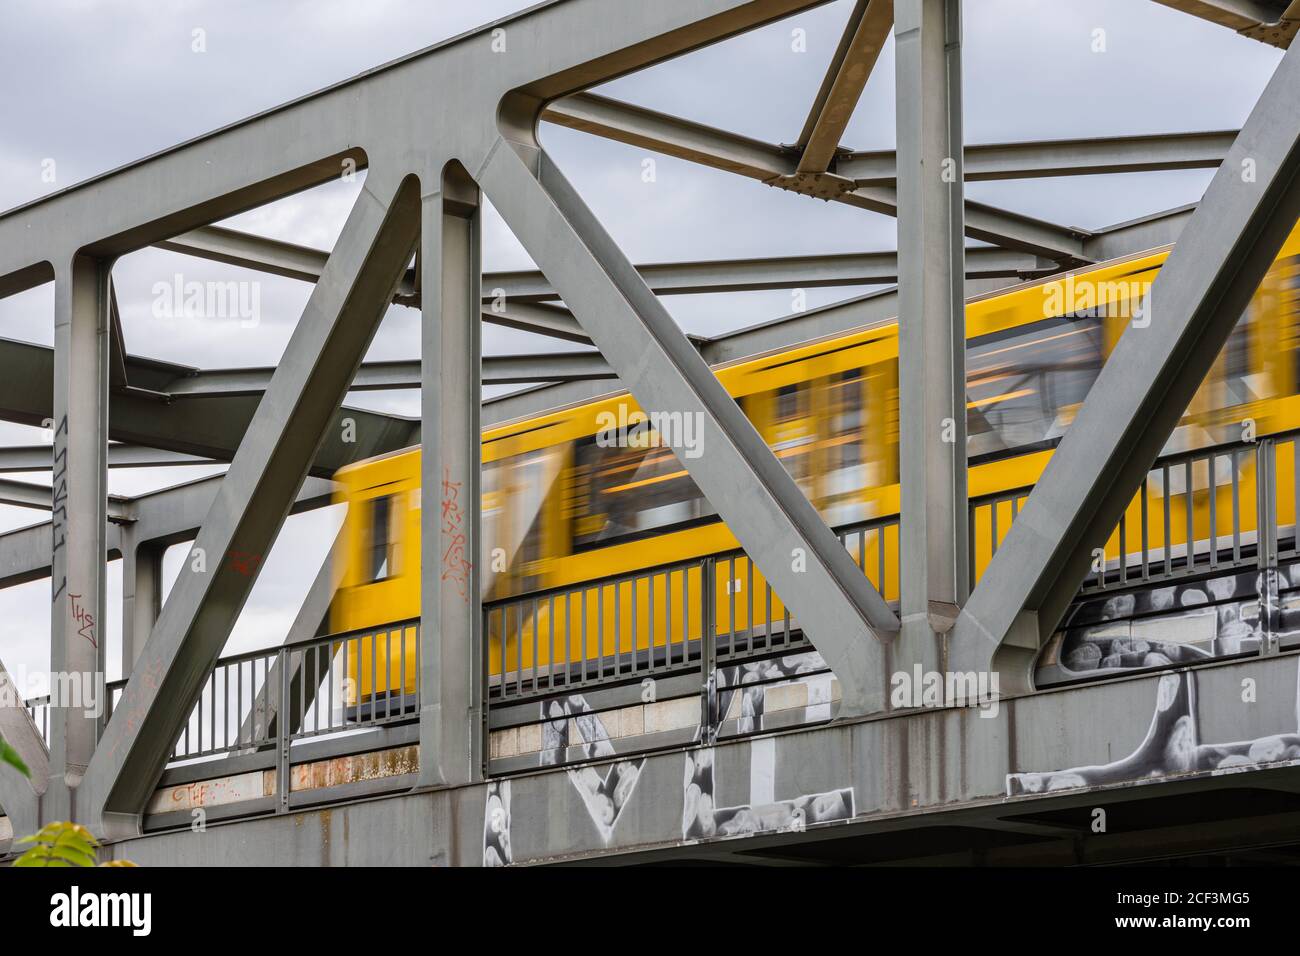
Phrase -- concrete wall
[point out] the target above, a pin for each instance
(1098, 744)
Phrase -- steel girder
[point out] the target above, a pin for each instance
(160, 518)
(1270, 21)
(521, 289)
(22, 494)
(934, 553)
(702, 144)
(292, 261)
(451, 710)
(207, 426)
(19, 458)
(1142, 391)
(1062, 157)
(851, 66)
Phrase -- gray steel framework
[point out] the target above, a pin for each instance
(279, 429)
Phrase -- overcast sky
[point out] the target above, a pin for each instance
(93, 84)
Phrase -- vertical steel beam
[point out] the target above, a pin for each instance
(78, 519)
(1144, 388)
(843, 615)
(255, 496)
(932, 325)
(141, 596)
(451, 677)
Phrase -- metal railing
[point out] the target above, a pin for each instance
(38, 708)
(330, 685)
(662, 635)
(1196, 513)
(655, 621)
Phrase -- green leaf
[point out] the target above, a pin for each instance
(37, 857)
(60, 844)
(10, 756)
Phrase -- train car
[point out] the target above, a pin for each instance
(585, 494)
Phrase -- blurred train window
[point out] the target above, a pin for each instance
(847, 420)
(519, 493)
(1289, 308)
(838, 489)
(1237, 351)
(1022, 389)
(787, 403)
(632, 491)
(383, 538)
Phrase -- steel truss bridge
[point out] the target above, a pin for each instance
(776, 744)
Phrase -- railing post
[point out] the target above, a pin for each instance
(1266, 542)
(482, 663)
(708, 661)
(283, 735)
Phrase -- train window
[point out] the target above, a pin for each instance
(628, 492)
(520, 501)
(787, 403)
(1022, 389)
(1237, 351)
(1289, 309)
(382, 563)
(846, 425)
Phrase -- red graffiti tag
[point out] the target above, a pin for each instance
(455, 565)
(242, 562)
(84, 619)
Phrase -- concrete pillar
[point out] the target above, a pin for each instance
(935, 576)
(451, 669)
(80, 476)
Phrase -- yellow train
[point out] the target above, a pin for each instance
(564, 506)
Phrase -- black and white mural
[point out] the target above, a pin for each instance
(1159, 627)
(496, 825)
(1237, 612)
(697, 800)
(763, 812)
(1172, 747)
(605, 790)
(1285, 610)
(571, 732)
(751, 681)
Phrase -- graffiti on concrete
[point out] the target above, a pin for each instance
(604, 791)
(1172, 747)
(496, 825)
(702, 819)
